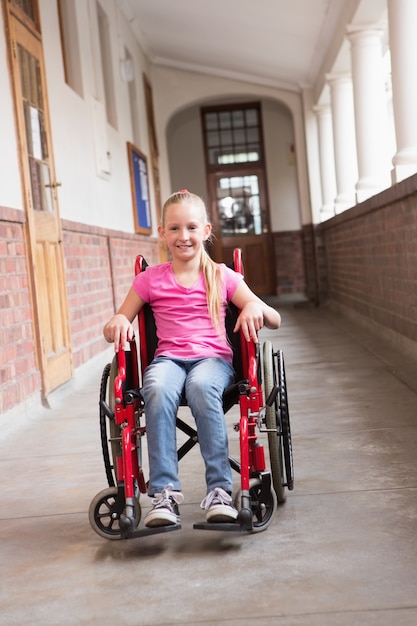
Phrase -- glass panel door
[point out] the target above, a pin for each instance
(235, 165)
(34, 116)
(238, 205)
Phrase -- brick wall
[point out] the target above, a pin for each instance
(289, 260)
(371, 259)
(99, 269)
(19, 376)
(315, 264)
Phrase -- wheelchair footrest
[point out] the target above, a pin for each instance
(225, 526)
(151, 531)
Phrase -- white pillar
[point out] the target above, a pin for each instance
(371, 112)
(326, 155)
(341, 93)
(402, 22)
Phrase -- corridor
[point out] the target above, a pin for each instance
(341, 551)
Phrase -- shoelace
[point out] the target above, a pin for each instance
(217, 496)
(164, 498)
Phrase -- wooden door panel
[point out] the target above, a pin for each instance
(258, 263)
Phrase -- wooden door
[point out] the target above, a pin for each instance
(241, 220)
(43, 225)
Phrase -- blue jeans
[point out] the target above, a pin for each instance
(204, 381)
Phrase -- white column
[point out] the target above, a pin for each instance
(371, 112)
(402, 23)
(341, 93)
(326, 156)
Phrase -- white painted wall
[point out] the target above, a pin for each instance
(10, 185)
(281, 167)
(85, 196)
(186, 152)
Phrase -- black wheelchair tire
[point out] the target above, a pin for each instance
(273, 422)
(285, 423)
(109, 430)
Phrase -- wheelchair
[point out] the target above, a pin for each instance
(259, 389)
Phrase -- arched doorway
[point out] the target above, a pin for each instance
(277, 253)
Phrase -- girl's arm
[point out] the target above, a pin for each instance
(254, 313)
(119, 329)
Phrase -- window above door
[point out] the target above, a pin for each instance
(232, 135)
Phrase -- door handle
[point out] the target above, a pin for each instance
(54, 185)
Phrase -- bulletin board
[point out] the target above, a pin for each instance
(138, 169)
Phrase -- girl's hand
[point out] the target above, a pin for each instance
(254, 313)
(119, 331)
(250, 321)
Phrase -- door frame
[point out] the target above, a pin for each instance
(220, 246)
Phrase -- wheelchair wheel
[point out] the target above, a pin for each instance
(262, 511)
(277, 421)
(285, 423)
(109, 430)
(105, 512)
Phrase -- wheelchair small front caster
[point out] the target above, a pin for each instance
(107, 514)
(263, 506)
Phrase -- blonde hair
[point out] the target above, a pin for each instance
(210, 268)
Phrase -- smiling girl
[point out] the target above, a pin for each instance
(188, 296)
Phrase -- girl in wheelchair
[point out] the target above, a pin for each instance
(188, 296)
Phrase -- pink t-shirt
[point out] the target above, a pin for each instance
(183, 323)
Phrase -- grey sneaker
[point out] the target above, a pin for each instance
(219, 507)
(165, 508)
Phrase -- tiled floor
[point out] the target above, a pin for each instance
(342, 550)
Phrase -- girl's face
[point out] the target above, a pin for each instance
(184, 230)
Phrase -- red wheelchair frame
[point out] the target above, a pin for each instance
(115, 512)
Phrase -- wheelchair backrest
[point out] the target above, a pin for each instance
(148, 340)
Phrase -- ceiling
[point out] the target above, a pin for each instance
(287, 44)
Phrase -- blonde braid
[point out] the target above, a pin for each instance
(213, 280)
